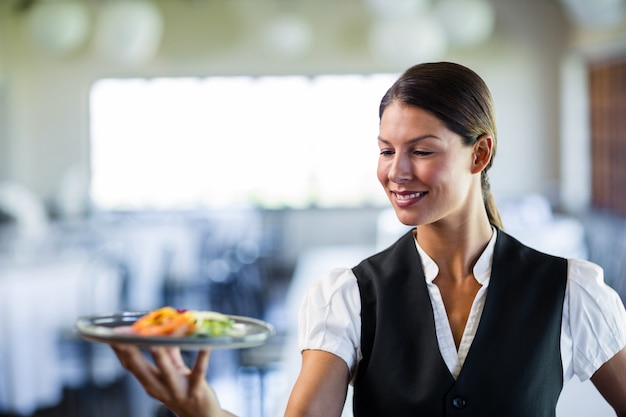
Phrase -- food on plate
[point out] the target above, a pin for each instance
(211, 323)
(168, 321)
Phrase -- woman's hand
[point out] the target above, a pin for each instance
(184, 391)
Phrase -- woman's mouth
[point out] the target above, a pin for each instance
(407, 198)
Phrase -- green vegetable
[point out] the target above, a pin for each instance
(212, 324)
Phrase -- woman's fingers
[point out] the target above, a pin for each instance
(136, 363)
(187, 390)
(176, 357)
(172, 375)
(165, 381)
(132, 359)
(198, 372)
(184, 391)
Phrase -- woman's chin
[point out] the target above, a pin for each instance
(406, 218)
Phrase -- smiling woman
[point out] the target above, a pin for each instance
(221, 141)
(457, 314)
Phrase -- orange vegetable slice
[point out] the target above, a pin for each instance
(165, 321)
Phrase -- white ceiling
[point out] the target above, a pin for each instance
(598, 14)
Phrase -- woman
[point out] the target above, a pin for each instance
(403, 325)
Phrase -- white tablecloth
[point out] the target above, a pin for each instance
(39, 301)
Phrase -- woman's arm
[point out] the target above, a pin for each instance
(321, 387)
(184, 391)
(610, 380)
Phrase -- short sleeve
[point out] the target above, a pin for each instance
(597, 319)
(330, 316)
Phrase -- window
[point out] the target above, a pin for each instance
(184, 143)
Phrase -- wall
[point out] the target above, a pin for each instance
(585, 45)
(4, 141)
(47, 119)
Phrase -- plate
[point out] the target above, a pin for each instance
(113, 328)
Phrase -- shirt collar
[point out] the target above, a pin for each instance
(482, 268)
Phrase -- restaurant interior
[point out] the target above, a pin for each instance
(172, 152)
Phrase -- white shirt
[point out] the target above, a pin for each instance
(593, 327)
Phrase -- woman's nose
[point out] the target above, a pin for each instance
(401, 170)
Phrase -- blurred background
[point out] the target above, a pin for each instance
(220, 154)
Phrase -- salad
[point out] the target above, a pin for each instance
(169, 321)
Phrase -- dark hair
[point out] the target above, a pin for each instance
(459, 98)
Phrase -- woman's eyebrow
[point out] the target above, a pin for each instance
(413, 140)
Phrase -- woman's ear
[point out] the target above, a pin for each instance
(482, 153)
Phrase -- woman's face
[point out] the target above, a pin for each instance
(425, 169)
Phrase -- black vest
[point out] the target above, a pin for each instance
(513, 368)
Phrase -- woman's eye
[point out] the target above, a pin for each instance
(423, 153)
(385, 152)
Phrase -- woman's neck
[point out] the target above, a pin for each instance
(455, 249)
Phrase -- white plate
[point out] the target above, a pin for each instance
(110, 328)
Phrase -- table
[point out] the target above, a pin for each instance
(40, 298)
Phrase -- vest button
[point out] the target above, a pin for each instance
(458, 402)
